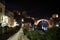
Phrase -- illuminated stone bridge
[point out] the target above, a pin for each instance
(42, 21)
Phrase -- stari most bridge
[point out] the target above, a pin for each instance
(41, 20)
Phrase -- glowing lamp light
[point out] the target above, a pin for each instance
(22, 20)
(57, 25)
(57, 16)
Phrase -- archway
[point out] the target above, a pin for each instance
(43, 24)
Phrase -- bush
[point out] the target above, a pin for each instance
(50, 34)
(25, 31)
(53, 34)
(33, 35)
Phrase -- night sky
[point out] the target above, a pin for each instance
(34, 8)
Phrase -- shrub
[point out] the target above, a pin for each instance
(53, 34)
(33, 35)
(50, 34)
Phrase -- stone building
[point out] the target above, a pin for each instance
(2, 11)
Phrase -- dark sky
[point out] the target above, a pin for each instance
(34, 8)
